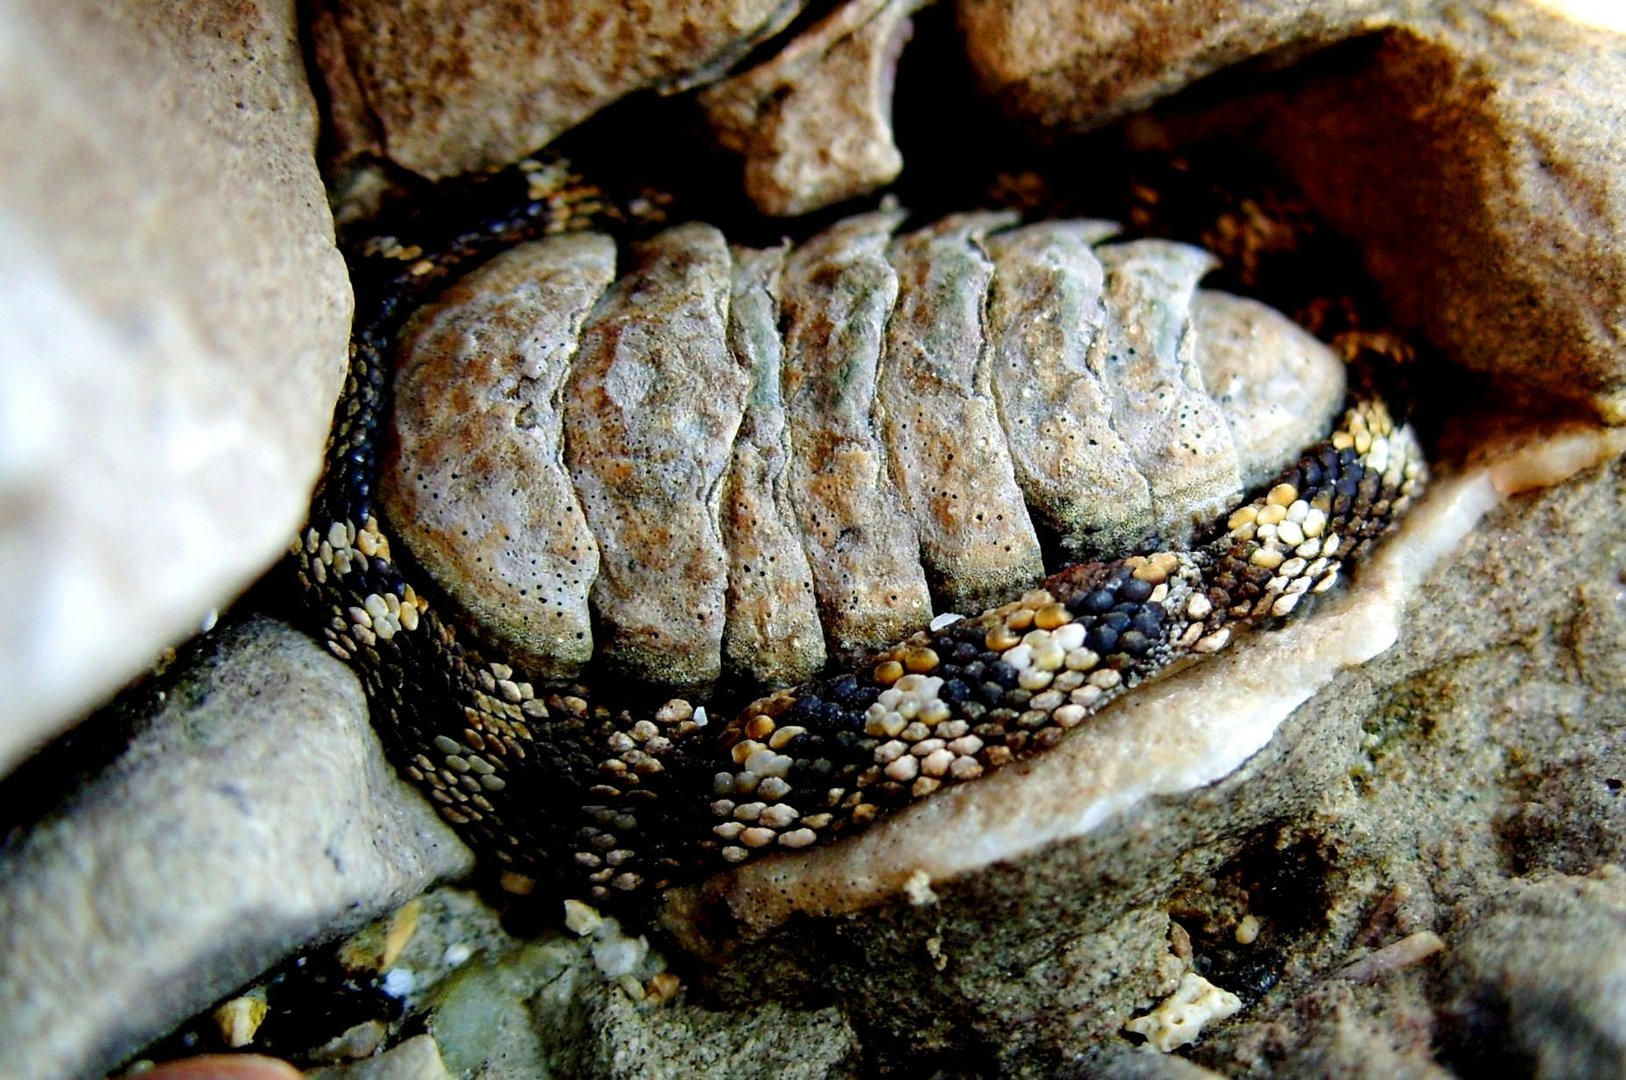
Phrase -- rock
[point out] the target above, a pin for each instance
(450, 87)
(1013, 369)
(1476, 165)
(476, 480)
(548, 1009)
(250, 812)
(225, 1067)
(1535, 978)
(814, 123)
(1071, 65)
(950, 460)
(418, 1058)
(772, 635)
(651, 410)
(177, 316)
(1483, 173)
(1381, 797)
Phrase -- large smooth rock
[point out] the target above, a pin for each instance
(175, 315)
(251, 812)
(1473, 151)
(448, 86)
(1480, 164)
(1070, 65)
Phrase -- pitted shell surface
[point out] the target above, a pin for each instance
(805, 452)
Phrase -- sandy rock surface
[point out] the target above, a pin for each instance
(814, 122)
(1077, 64)
(1493, 217)
(176, 313)
(251, 811)
(446, 86)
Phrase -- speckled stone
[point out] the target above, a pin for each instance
(476, 481)
(449, 86)
(837, 295)
(814, 122)
(949, 457)
(251, 811)
(1274, 383)
(175, 312)
(1147, 358)
(772, 633)
(651, 410)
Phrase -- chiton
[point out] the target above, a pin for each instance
(876, 401)
(725, 461)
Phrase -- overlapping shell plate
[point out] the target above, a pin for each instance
(714, 459)
(720, 459)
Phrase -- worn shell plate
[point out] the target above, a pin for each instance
(867, 427)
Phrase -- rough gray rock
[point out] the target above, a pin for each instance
(908, 398)
(837, 294)
(251, 812)
(814, 122)
(594, 1001)
(176, 316)
(447, 86)
(1536, 979)
(772, 634)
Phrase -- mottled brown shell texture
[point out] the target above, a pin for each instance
(688, 461)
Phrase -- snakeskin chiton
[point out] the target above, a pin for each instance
(717, 461)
